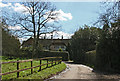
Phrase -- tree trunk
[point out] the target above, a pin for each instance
(34, 39)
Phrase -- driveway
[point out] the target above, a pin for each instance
(80, 72)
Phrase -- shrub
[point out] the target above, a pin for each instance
(60, 49)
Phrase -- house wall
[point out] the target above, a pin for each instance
(47, 43)
(57, 47)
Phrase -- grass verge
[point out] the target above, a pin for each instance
(44, 74)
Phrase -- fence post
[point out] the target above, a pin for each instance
(31, 68)
(40, 64)
(58, 60)
(52, 62)
(17, 68)
(47, 63)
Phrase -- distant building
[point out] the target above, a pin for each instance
(49, 44)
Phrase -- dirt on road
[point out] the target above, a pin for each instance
(81, 72)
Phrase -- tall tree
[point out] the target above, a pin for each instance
(110, 13)
(37, 18)
(0, 39)
(107, 52)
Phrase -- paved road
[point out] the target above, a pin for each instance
(78, 71)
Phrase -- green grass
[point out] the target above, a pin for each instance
(45, 73)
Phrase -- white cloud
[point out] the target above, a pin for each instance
(60, 0)
(61, 16)
(19, 8)
(14, 27)
(64, 16)
(58, 34)
(5, 5)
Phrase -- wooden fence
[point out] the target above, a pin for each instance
(53, 59)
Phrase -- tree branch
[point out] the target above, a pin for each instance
(25, 27)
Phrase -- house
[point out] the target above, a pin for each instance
(49, 44)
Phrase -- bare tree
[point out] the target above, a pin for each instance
(37, 18)
(110, 13)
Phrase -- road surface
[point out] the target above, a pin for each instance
(82, 72)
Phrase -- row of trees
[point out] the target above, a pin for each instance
(105, 41)
(107, 51)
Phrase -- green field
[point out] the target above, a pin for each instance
(45, 73)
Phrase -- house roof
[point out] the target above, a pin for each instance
(58, 43)
(47, 41)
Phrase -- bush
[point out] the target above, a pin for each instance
(60, 49)
(25, 52)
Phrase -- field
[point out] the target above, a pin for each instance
(45, 73)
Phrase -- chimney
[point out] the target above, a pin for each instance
(62, 37)
(45, 36)
(51, 36)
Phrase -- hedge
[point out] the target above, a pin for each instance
(41, 54)
(90, 58)
(63, 54)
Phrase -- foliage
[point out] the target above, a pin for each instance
(63, 54)
(82, 41)
(105, 41)
(90, 58)
(60, 49)
(10, 44)
(39, 48)
(26, 52)
(108, 52)
(68, 48)
(33, 21)
(110, 13)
